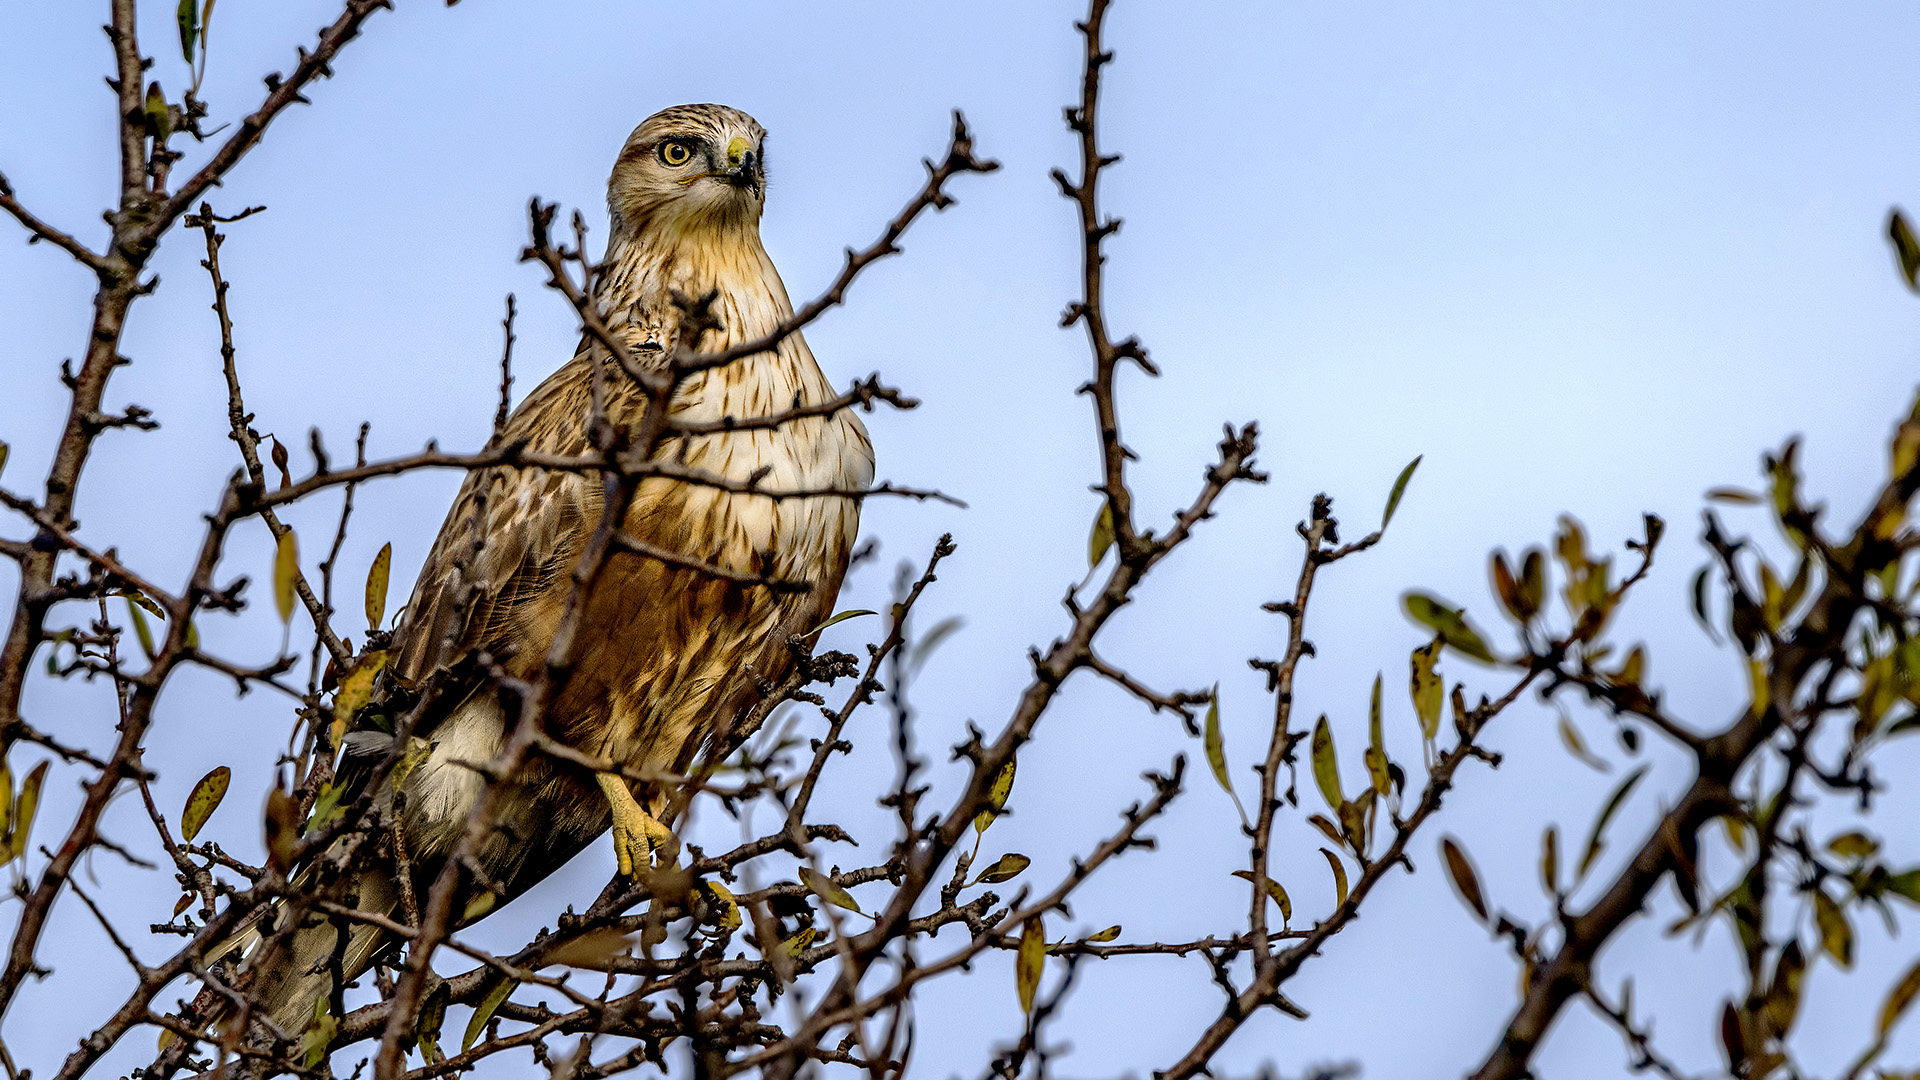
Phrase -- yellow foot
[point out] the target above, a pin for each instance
(637, 837)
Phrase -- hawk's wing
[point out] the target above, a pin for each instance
(508, 543)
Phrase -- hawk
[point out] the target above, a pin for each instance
(667, 650)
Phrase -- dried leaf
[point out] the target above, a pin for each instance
(1905, 247)
(1533, 581)
(182, 904)
(592, 951)
(1339, 877)
(1612, 806)
(1449, 623)
(1032, 957)
(1100, 537)
(825, 889)
(286, 567)
(377, 587)
(840, 618)
(1109, 934)
(996, 797)
(1836, 934)
(279, 454)
(1399, 489)
(496, 996)
(283, 828)
(1326, 825)
(1550, 861)
(202, 801)
(1275, 892)
(1005, 868)
(21, 825)
(1465, 881)
(1326, 771)
(1739, 496)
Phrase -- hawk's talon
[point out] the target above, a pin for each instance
(637, 836)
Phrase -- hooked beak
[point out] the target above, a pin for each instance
(743, 166)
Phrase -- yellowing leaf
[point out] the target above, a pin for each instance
(1108, 934)
(1853, 845)
(1449, 623)
(140, 629)
(1100, 537)
(825, 889)
(996, 797)
(1005, 868)
(21, 825)
(286, 567)
(1278, 894)
(1428, 688)
(1783, 996)
(356, 689)
(1577, 746)
(206, 795)
(1030, 959)
(1899, 998)
(1836, 934)
(1550, 861)
(496, 996)
(1399, 489)
(1339, 877)
(1757, 686)
(417, 752)
(189, 19)
(377, 587)
(1465, 881)
(729, 908)
(1326, 771)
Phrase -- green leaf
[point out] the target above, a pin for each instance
(1339, 877)
(1614, 802)
(840, 618)
(140, 629)
(483, 1012)
(189, 18)
(1449, 623)
(21, 825)
(1399, 489)
(377, 587)
(1466, 881)
(319, 1035)
(1100, 538)
(1326, 770)
(1905, 885)
(1905, 247)
(158, 117)
(1278, 894)
(1005, 868)
(996, 797)
(286, 567)
(426, 1027)
(825, 889)
(1031, 958)
(933, 639)
(202, 801)
(1376, 755)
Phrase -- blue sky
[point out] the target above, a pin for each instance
(1587, 258)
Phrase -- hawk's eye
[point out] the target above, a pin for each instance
(675, 152)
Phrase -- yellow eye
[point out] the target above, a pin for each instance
(675, 153)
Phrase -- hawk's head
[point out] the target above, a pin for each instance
(690, 166)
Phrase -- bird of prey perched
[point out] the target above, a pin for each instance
(667, 650)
